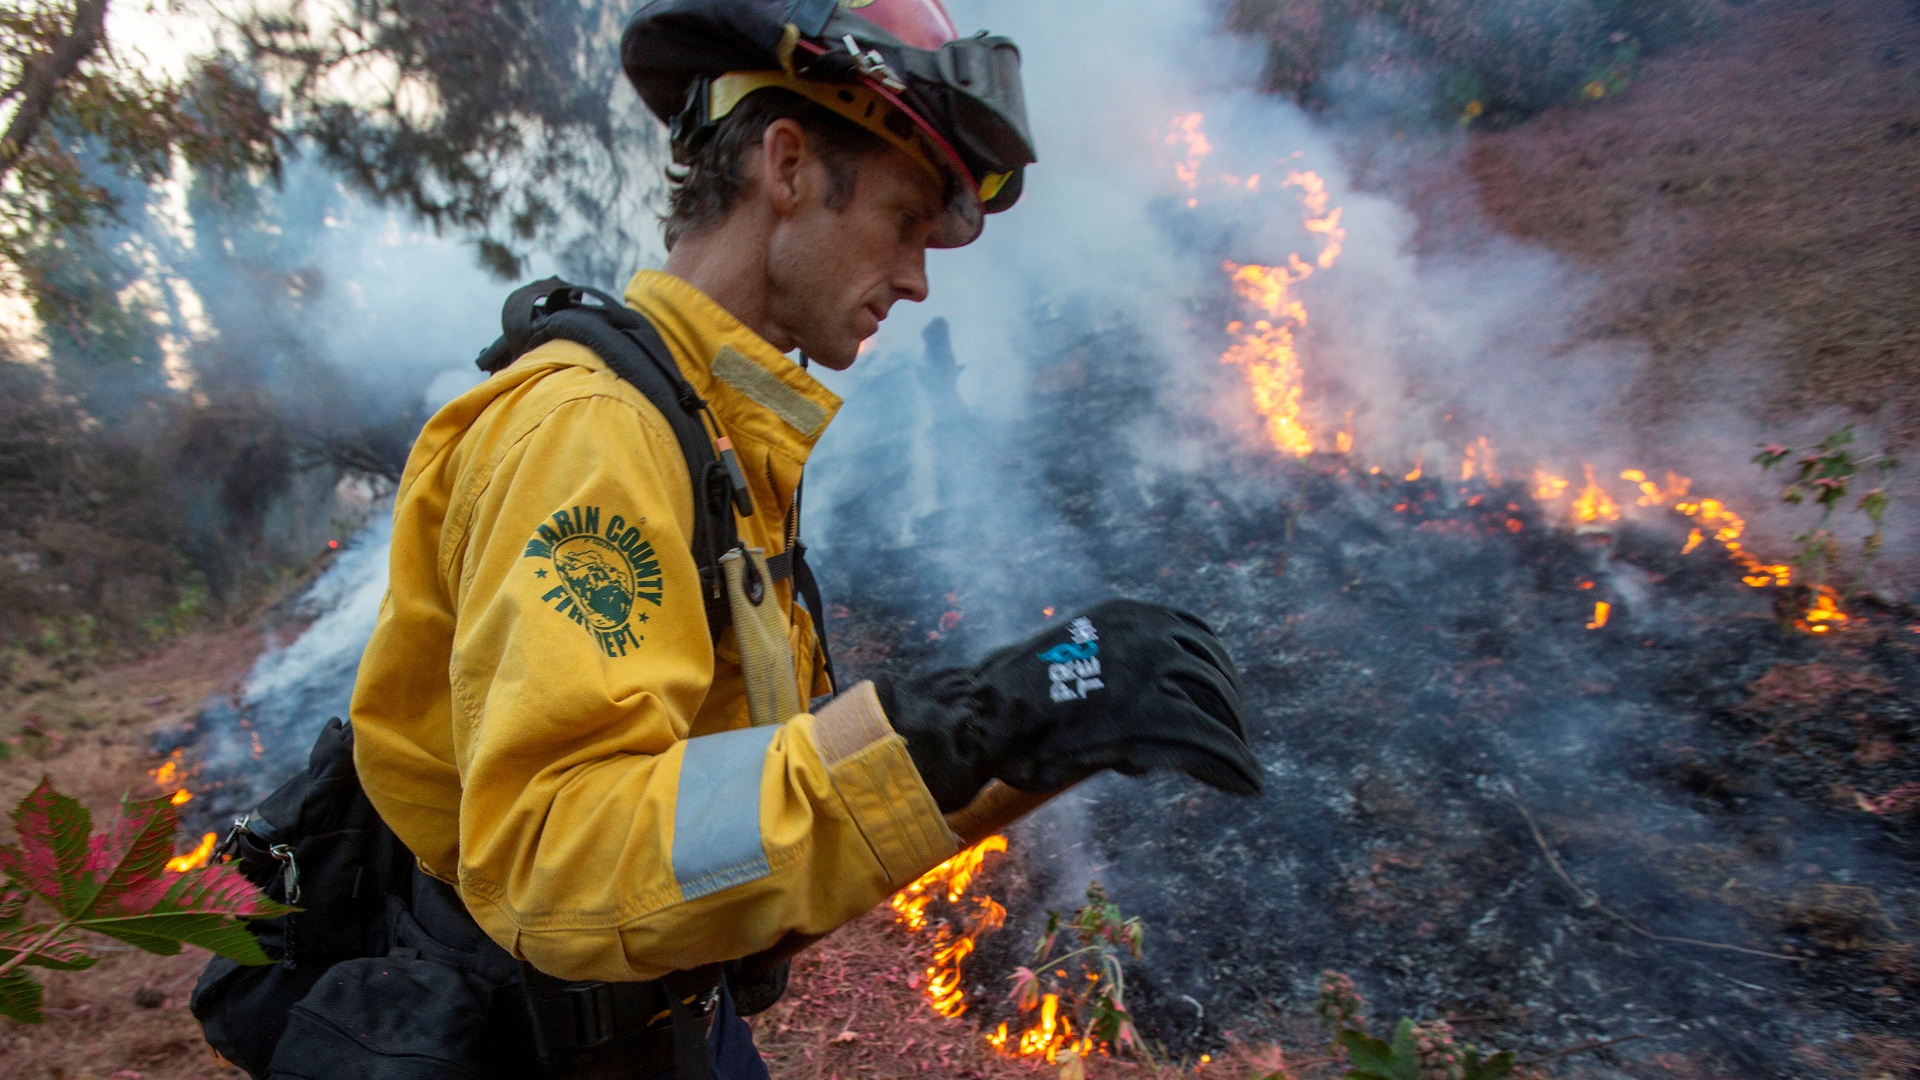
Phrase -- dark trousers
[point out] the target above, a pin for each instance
(731, 1044)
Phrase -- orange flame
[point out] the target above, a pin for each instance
(1824, 615)
(1652, 494)
(1727, 528)
(943, 978)
(1601, 612)
(1263, 345)
(1594, 506)
(1264, 349)
(1548, 487)
(950, 879)
(1051, 1032)
(195, 859)
(1186, 135)
(1321, 221)
(1049, 1035)
(1480, 460)
(1711, 517)
(171, 778)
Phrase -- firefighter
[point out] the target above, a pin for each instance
(542, 716)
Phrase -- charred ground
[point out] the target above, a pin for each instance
(1423, 682)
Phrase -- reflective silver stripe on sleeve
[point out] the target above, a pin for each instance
(716, 819)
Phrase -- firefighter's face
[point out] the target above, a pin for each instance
(835, 271)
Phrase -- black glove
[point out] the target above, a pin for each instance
(1127, 686)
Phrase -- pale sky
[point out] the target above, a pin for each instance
(157, 35)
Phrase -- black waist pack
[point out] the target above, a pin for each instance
(315, 843)
(360, 989)
(384, 975)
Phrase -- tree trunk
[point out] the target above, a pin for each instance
(39, 87)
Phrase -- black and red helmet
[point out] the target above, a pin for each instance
(895, 67)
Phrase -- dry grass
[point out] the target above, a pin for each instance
(1749, 203)
(93, 737)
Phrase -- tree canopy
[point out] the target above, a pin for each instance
(175, 443)
(506, 120)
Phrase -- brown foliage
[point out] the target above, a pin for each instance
(115, 535)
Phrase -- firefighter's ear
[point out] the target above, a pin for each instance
(784, 158)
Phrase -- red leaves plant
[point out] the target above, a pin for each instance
(113, 883)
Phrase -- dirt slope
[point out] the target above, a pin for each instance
(1751, 199)
(93, 736)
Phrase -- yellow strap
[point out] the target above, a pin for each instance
(789, 40)
(760, 631)
(855, 102)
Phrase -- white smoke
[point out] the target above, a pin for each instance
(347, 597)
(1428, 349)
(1428, 346)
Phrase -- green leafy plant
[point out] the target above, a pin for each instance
(189, 608)
(1079, 963)
(114, 883)
(1417, 1051)
(1827, 475)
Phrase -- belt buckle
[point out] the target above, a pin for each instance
(592, 1009)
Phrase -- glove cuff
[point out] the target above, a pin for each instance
(934, 714)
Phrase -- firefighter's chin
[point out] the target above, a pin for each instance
(837, 351)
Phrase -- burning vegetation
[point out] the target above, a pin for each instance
(1513, 785)
(1526, 725)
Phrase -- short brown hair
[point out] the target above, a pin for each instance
(705, 184)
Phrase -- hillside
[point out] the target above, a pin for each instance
(1750, 203)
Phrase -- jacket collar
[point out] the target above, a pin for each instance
(755, 391)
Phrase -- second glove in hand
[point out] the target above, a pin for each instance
(1128, 686)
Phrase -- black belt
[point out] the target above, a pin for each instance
(630, 1027)
(589, 1030)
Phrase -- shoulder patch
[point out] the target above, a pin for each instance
(597, 576)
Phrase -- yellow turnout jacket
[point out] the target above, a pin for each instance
(542, 715)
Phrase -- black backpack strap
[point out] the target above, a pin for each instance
(516, 323)
(809, 589)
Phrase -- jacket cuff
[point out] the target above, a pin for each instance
(870, 769)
